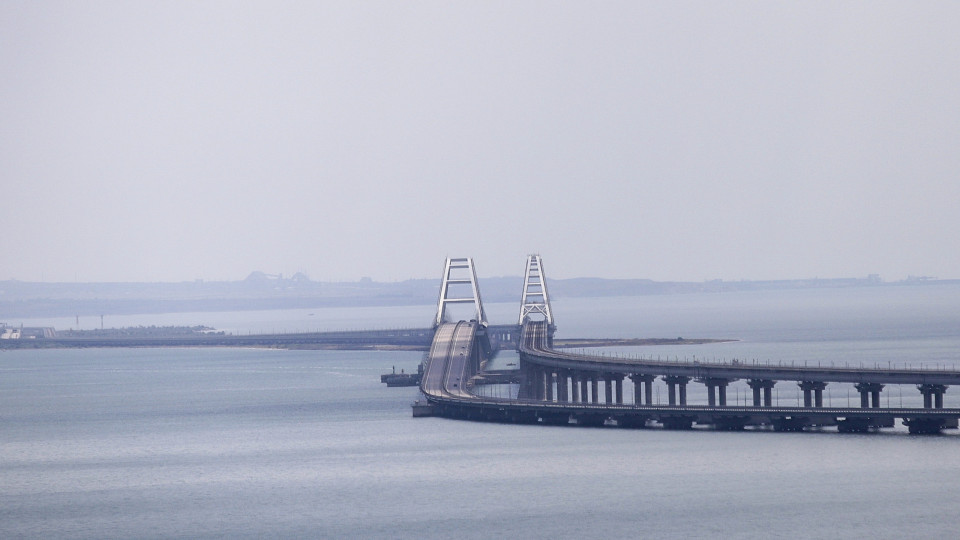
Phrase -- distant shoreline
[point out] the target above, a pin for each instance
(32, 300)
(201, 337)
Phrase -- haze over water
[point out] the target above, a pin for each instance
(252, 443)
(174, 141)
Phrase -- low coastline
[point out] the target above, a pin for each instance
(202, 336)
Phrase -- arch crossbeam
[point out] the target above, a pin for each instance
(459, 273)
(535, 298)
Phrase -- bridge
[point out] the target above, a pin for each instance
(562, 388)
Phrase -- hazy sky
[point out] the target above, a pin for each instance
(168, 141)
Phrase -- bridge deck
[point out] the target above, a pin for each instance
(449, 361)
(445, 384)
(534, 348)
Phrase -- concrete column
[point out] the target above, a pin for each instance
(716, 391)
(932, 395)
(671, 393)
(812, 393)
(575, 386)
(680, 382)
(646, 383)
(765, 386)
(584, 385)
(549, 386)
(562, 392)
(608, 389)
(868, 391)
(618, 388)
(927, 391)
(527, 388)
(594, 389)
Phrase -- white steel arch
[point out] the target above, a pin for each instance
(459, 272)
(535, 298)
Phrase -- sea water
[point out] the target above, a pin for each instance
(253, 443)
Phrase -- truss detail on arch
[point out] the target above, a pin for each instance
(459, 273)
(535, 299)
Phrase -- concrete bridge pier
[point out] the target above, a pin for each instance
(869, 394)
(642, 384)
(575, 386)
(720, 385)
(608, 388)
(812, 393)
(529, 380)
(594, 389)
(932, 395)
(548, 373)
(584, 386)
(676, 388)
(618, 387)
(562, 386)
(539, 384)
(526, 380)
(764, 386)
(541, 381)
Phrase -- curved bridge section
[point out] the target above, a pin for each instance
(451, 362)
(560, 388)
(535, 350)
(555, 376)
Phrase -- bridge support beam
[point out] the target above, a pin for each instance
(608, 389)
(765, 387)
(642, 384)
(563, 385)
(720, 395)
(537, 384)
(542, 381)
(529, 373)
(932, 395)
(676, 388)
(869, 394)
(812, 393)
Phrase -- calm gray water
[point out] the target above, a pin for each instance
(187, 443)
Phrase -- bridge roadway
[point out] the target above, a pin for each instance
(534, 347)
(450, 366)
(450, 362)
